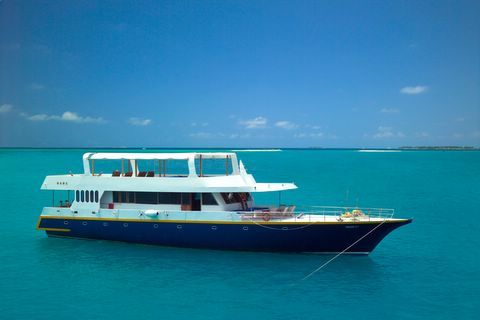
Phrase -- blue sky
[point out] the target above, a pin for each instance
(239, 73)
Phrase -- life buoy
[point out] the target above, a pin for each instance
(357, 213)
(347, 214)
(266, 216)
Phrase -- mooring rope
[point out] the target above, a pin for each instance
(340, 253)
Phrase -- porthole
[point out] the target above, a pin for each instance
(155, 226)
(105, 224)
(245, 228)
(125, 224)
(84, 223)
(179, 226)
(65, 222)
(214, 227)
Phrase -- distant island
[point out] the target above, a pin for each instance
(439, 148)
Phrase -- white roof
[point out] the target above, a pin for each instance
(156, 156)
(233, 183)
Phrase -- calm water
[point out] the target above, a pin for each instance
(428, 269)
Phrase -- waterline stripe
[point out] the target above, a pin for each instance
(54, 229)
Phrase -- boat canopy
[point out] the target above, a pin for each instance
(137, 176)
(158, 156)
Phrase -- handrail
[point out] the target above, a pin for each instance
(321, 214)
(312, 213)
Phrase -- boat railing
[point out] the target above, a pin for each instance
(313, 214)
(317, 213)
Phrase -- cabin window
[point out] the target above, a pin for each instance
(128, 197)
(96, 196)
(91, 196)
(186, 199)
(77, 196)
(208, 199)
(87, 198)
(235, 197)
(146, 197)
(169, 198)
(83, 196)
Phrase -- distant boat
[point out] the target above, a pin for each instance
(200, 209)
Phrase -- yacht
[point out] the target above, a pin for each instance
(199, 200)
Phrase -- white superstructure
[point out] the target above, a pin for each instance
(134, 175)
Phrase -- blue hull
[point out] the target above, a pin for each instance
(277, 237)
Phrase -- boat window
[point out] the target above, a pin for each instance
(146, 197)
(116, 197)
(213, 166)
(96, 196)
(186, 199)
(77, 196)
(107, 166)
(208, 199)
(235, 197)
(91, 196)
(87, 196)
(128, 197)
(169, 198)
(83, 196)
(161, 168)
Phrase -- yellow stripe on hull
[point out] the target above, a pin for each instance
(54, 229)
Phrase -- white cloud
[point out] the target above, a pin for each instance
(389, 110)
(258, 122)
(67, 116)
(139, 121)
(4, 108)
(387, 132)
(460, 119)
(203, 124)
(309, 135)
(285, 125)
(422, 134)
(212, 135)
(37, 86)
(202, 135)
(413, 90)
(241, 136)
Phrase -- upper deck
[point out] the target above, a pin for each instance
(168, 172)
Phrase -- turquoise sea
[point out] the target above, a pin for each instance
(429, 269)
